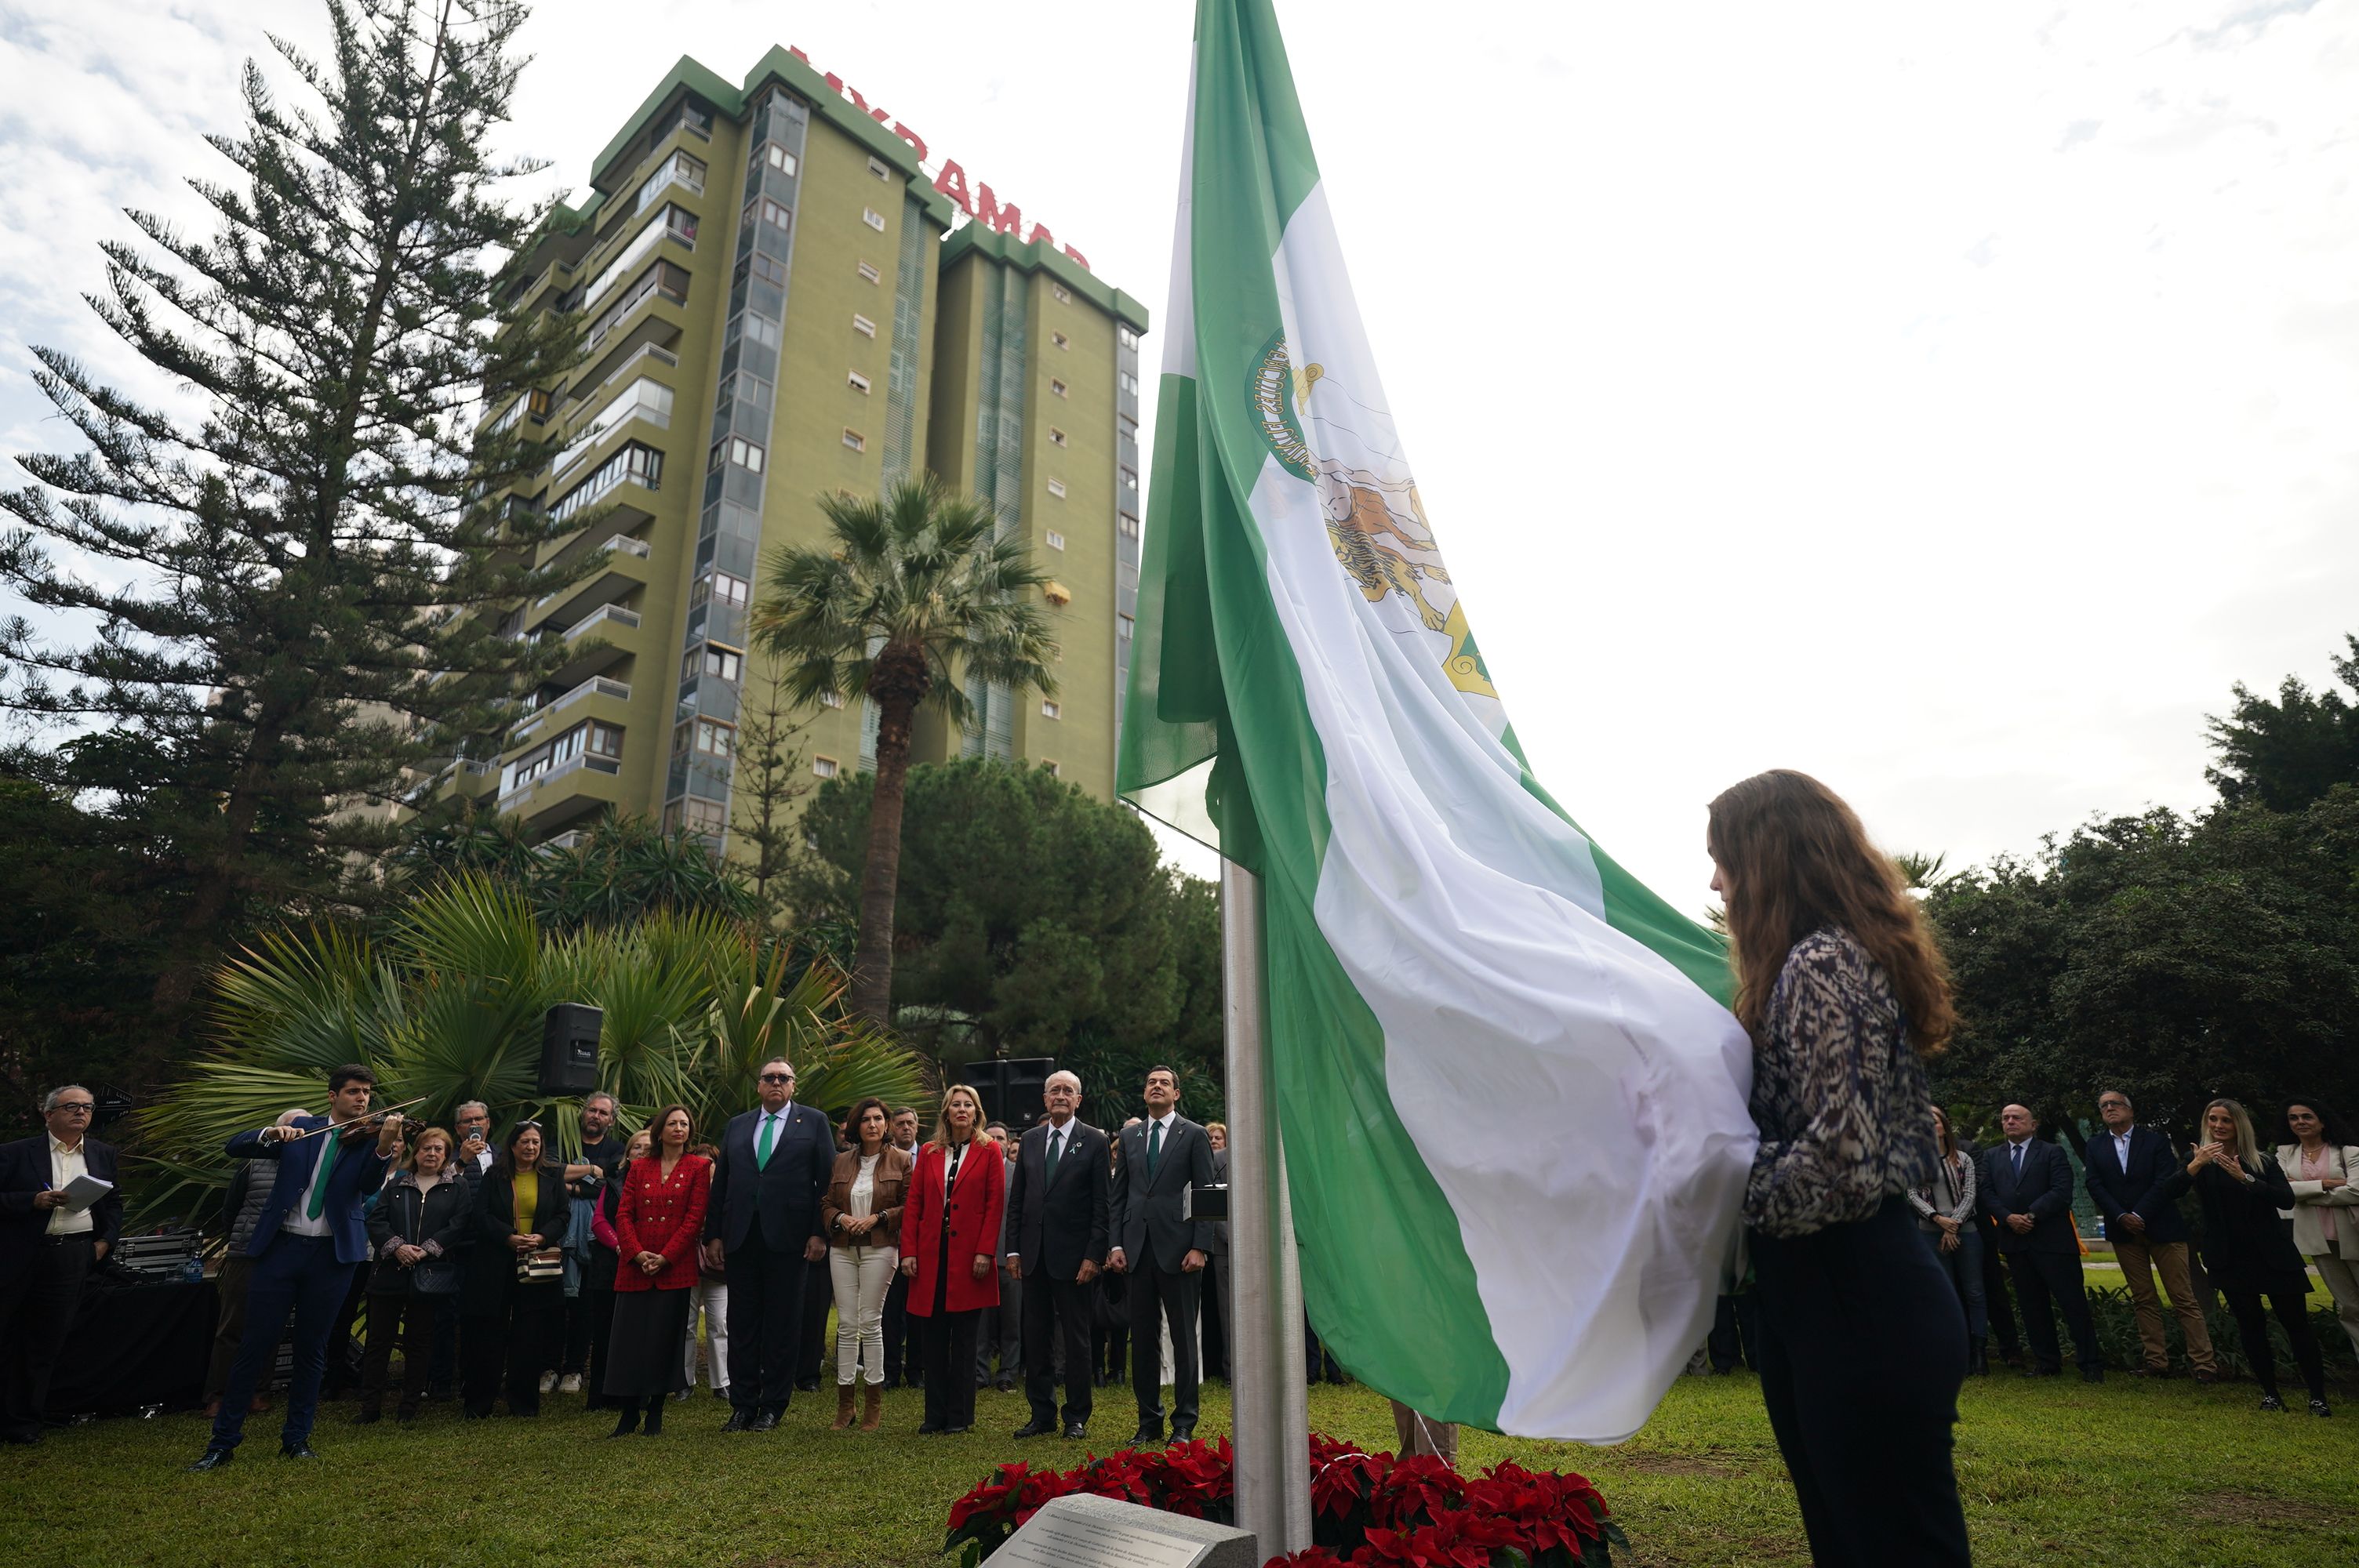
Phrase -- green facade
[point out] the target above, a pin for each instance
(780, 311)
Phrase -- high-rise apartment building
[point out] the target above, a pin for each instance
(777, 308)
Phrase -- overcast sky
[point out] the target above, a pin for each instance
(1951, 401)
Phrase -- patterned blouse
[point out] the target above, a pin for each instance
(1841, 1100)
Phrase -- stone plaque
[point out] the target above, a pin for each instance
(1099, 1532)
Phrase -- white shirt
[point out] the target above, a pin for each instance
(298, 1221)
(778, 1132)
(65, 1164)
(2122, 1147)
(1163, 1122)
(863, 1186)
(1060, 1133)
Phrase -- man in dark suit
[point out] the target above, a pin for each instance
(48, 1245)
(2026, 1187)
(1162, 1253)
(1056, 1203)
(308, 1247)
(2127, 1169)
(762, 1224)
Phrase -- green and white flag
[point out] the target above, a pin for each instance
(1512, 1098)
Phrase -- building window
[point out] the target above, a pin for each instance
(539, 402)
(876, 167)
(769, 269)
(634, 463)
(1127, 525)
(1130, 480)
(1126, 627)
(1057, 488)
(719, 586)
(771, 211)
(831, 699)
(868, 270)
(758, 328)
(1049, 709)
(1055, 386)
(739, 450)
(1064, 296)
(715, 739)
(713, 659)
(873, 218)
(855, 439)
(857, 381)
(1125, 336)
(779, 159)
(1126, 428)
(1056, 436)
(826, 767)
(1127, 382)
(1061, 341)
(863, 326)
(1055, 540)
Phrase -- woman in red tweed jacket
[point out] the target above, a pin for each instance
(656, 1226)
(950, 1251)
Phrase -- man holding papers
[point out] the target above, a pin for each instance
(60, 1214)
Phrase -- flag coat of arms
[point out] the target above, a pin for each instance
(1511, 1097)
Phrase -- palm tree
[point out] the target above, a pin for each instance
(448, 1007)
(906, 597)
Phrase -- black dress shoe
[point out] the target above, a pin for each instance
(1181, 1432)
(766, 1421)
(807, 1385)
(892, 1380)
(1149, 1433)
(299, 1451)
(1038, 1426)
(1076, 1430)
(215, 1458)
(954, 1431)
(1006, 1384)
(2093, 1374)
(929, 1429)
(739, 1420)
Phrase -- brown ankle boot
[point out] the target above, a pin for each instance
(872, 1415)
(842, 1406)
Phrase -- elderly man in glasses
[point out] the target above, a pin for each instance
(54, 1229)
(762, 1223)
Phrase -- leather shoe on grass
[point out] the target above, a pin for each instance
(1036, 1427)
(739, 1420)
(766, 1421)
(215, 1458)
(299, 1450)
(1076, 1429)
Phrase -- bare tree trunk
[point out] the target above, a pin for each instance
(880, 875)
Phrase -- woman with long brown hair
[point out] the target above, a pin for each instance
(2248, 1250)
(1862, 1339)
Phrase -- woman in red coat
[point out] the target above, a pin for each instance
(950, 1251)
(658, 1222)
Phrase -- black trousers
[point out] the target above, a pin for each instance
(1735, 1325)
(2292, 1309)
(900, 1349)
(518, 1333)
(407, 1321)
(2045, 1278)
(1995, 1296)
(811, 1358)
(571, 1354)
(1000, 1335)
(1054, 1307)
(37, 1313)
(1862, 1351)
(767, 1287)
(1214, 1301)
(1155, 1296)
(599, 1309)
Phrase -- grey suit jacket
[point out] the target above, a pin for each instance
(1147, 1208)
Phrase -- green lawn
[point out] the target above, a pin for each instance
(2156, 1475)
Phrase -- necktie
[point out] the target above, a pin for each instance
(1056, 1147)
(2019, 1162)
(1153, 1146)
(761, 1148)
(327, 1164)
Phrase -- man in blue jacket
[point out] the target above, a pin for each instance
(307, 1247)
(2026, 1189)
(2135, 1178)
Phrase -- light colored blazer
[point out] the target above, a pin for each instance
(1951, 1192)
(2310, 1198)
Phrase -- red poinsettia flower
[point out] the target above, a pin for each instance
(1413, 1490)
(1309, 1557)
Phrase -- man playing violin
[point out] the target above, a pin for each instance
(307, 1245)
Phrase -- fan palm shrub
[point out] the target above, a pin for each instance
(448, 1007)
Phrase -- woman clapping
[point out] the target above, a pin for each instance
(2247, 1252)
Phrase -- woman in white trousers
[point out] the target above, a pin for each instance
(2321, 1165)
(861, 1217)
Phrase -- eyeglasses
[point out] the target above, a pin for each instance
(777, 1077)
(82, 1106)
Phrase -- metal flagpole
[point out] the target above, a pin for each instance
(1269, 1402)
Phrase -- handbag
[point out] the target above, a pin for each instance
(534, 1268)
(434, 1276)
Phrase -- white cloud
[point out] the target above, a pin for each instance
(1948, 403)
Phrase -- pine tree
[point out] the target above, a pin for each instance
(316, 561)
(770, 780)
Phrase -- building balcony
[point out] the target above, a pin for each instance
(608, 698)
(623, 573)
(656, 320)
(573, 789)
(597, 643)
